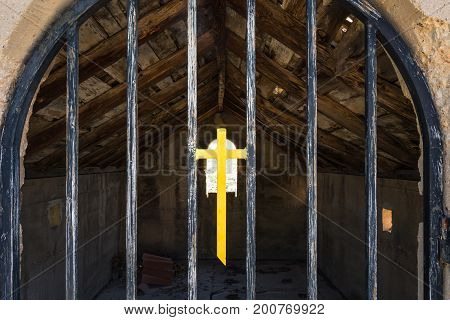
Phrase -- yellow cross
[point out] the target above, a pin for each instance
(221, 154)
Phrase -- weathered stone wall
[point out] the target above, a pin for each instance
(101, 206)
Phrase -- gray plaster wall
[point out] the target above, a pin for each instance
(100, 208)
(341, 237)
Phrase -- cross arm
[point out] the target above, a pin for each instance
(205, 154)
(237, 154)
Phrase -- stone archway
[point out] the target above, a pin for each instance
(22, 47)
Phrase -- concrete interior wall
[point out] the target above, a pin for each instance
(101, 198)
(341, 236)
(281, 229)
(280, 219)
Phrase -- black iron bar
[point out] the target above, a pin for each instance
(191, 149)
(72, 163)
(251, 151)
(371, 159)
(131, 218)
(311, 151)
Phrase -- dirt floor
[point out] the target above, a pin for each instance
(281, 280)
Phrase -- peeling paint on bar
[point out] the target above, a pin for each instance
(132, 138)
(251, 151)
(191, 148)
(311, 151)
(371, 160)
(72, 163)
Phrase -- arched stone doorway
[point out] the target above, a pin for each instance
(15, 118)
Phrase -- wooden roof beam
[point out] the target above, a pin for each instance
(327, 106)
(204, 113)
(283, 26)
(326, 140)
(279, 24)
(110, 50)
(103, 103)
(117, 148)
(238, 109)
(146, 109)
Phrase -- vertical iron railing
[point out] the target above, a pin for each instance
(72, 163)
(371, 160)
(251, 150)
(191, 148)
(131, 213)
(311, 151)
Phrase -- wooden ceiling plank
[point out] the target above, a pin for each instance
(330, 17)
(110, 50)
(327, 106)
(281, 25)
(296, 7)
(118, 146)
(100, 105)
(326, 140)
(240, 112)
(146, 108)
(204, 113)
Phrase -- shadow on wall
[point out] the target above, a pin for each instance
(341, 236)
(101, 204)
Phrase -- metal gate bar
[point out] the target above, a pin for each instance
(251, 151)
(191, 148)
(72, 163)
(131, 214)
(371, 159)
(311, 151)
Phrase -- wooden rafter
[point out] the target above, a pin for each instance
(146, 109)
(117, 147)
(109, 51)
(326, 140)
(284, 27)
(327, 106)
(238, 109)
(105, 102)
